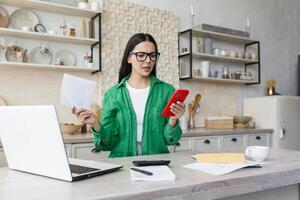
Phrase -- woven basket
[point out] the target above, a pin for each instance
(219, 123)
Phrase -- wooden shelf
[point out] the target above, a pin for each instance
(50, 7)
(220, 36)
(44, 36)
(219, 58)
(233, 81)
(24, 66)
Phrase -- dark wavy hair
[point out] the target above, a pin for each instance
(136, 39)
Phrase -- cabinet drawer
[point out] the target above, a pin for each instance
(233, 141)
(84, 151)
(185, 144)
(68, 150)
(258, 139)
(206, 143)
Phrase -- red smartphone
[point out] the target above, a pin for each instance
(178, 95)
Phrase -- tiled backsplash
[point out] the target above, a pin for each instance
(217, 99)
(120, 20)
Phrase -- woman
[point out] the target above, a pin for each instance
(131, 121)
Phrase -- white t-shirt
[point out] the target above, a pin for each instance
(138, 99)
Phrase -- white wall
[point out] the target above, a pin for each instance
(273, 22)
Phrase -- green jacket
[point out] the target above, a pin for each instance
(118, 130)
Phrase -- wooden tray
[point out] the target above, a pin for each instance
(2, 102)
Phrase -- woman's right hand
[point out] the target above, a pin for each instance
(86, 117)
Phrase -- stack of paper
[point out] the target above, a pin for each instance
(160, 173)
(221, 158)
(76, 91)
(220, 163)
(218, 168)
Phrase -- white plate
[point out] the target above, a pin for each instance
(40, 55)
(66, 56)
(4, 18)
(11, 56)
(64, 2)
(23, 17)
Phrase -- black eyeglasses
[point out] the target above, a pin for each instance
(142, 56)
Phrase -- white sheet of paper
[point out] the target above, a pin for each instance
(76, 91)
(218, 169)
(160, 173)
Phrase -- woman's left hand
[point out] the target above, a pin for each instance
(178, 110)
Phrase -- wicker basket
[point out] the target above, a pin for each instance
(219, 122)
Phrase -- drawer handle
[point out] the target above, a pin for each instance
(94, 150)
(233, 140)
(258, 138)
(206, 142)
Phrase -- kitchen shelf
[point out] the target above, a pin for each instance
(16, 65)
(219, 36)
(187, 59)
(44, 36)
(219, 58)
(60, 9)
(51, 7)
(223, 80)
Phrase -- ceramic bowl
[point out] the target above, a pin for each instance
(241, 119)
(70, 128)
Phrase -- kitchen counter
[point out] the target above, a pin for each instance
(87, 137)
(84, 138)
(215, 132)
(277, 179)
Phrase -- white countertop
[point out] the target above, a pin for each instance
(282, 168)
(197, 132)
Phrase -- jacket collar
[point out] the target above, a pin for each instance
(154, 80)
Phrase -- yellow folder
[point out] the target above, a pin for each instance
(221, 157)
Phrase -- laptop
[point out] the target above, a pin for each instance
(33, 143)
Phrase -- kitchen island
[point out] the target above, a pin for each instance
(277, 179)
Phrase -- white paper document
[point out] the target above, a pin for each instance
(160, 173)
(219, 169)
(76, 91)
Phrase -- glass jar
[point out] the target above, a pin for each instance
(225, 72)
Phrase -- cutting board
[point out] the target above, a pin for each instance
(2, 102)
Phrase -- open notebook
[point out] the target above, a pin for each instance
(160, 173)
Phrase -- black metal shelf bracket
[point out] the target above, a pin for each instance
(97, 43)
(254, 63)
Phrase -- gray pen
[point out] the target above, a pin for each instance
(142, 171)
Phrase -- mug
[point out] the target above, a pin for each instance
(257, 153)
(204, 68)
(94, 6)
(26, 28)
(52, 32)
(83, 5)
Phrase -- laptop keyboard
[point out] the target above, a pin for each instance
(77, 169)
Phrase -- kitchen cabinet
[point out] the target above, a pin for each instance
(191, 55)
(68, 148)
(258, 140)
(185, 144)
(233, 141)
(84, 151)
(223, 142)
(206, 143)
(59, 9)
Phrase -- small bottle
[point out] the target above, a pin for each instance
(225, 74)
(82, 28)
